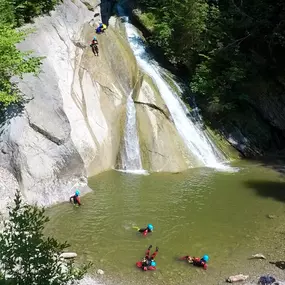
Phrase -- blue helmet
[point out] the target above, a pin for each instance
(205, 258)
(77, 193)
(94, 38)
(150, 227)
(153, 263)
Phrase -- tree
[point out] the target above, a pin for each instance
(19, 12)
(13, 62)
(29, 258)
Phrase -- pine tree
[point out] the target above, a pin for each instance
(27, 256)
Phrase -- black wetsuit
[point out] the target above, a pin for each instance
(75, 199)
(145, 229)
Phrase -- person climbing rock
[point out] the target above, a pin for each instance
(101, 28)
(196, 261)
(148, 262)
(146, 230)
(98, 30)
(75, 198)
(104, 28)
(94, 46)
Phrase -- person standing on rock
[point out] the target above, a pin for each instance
(75, 199)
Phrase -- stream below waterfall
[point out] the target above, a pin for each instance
(200, 211)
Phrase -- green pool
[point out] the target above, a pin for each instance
(200, 211)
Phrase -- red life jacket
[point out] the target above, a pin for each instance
(199, 262)
(139, 264)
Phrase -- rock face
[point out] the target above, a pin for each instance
(72, 122)
(69, 126)
(161, 147)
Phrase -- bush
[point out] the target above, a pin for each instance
(29, 258)
(14, 13)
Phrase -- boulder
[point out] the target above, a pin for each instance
(258, 256)
(68, 255)
(271, 216)
(100, 272)
(237, 278)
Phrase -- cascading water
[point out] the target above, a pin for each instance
(130, 155)
(193, 136)
(196, 119)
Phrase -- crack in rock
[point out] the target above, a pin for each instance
(154, 107)
(46, 134)
(155, 152)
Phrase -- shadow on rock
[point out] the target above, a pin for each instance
(14, 110)
(268, 189)
(106, 7)
(279, 264)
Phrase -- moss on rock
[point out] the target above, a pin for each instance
(148, 20)
(223, 145)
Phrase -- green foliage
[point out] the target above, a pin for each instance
(18, 12)
(147, 19)
(179, 27)
(230, 48)
(27, 257)
(13, 62)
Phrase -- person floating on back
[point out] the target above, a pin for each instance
(146, 230)
(94, 46)
(196, 261)
(148, 262)
(75, 198)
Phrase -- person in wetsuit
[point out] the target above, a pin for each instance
(148, 262)
(94, 46)
(146, 230)
(101, 28)
(196, 261)
(75, 198)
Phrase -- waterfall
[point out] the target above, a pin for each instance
(188, 125)
(130, 155)
(195, 139)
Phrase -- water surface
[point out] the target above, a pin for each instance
(200, 211)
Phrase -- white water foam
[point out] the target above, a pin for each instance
(138, 172)
(130, 155)
(188, 127)
(195, 139)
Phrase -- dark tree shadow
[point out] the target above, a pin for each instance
(268, 189)
(275, 162)
(13, 110)
(106, 7)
